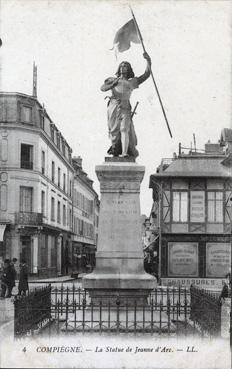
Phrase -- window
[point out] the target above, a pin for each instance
(58, 177)
(58, 139)
(43, 162)
(70, 187)
(53, 252)
(180, 206)
(64, 182)
(26, 114)
(42, 121)
(52, 209)
(58, 212)
(53, 171)
(26, 156)
(43, 203)
(26, 199)
(215, 207)
(70, 218)
(63, 146)
(44, 251)
(64, 215)
(52, 131)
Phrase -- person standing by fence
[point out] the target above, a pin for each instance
(23, 278)
(8, 278)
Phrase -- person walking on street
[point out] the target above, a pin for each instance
(8, 278)
(23, 278)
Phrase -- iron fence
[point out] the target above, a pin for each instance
(70, 309)
(176, 295)
(205, 310)
(154, 317)
(32, 311)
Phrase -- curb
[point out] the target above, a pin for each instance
(52, 281)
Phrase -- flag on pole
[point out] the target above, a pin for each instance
(125, 35)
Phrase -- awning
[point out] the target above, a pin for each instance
(2, 230)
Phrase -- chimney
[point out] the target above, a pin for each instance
(77, 162)
(226, 140)
(213, 148)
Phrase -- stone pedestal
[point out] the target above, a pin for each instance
(119, 271)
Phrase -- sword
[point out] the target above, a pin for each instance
(134, 111)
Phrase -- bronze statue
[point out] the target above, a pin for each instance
(120, 125)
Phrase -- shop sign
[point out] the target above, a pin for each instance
(182, 259)
(197, 206)
(218, 259)
(200, 282)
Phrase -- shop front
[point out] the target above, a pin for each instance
(204, 261)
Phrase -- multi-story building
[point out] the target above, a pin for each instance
(85, 219)
(36, 188)
(191, 214)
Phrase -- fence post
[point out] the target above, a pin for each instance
(135, 316)
(118, 313)
(100, 320)
(152, 315)
(168, 313)
(160, 320)
(66, 316)
(83, 314)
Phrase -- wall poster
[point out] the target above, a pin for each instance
(197, 206)
(182, 259)
(218, 259)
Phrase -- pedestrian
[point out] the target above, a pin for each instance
(23, 278)
(15, 265)
(7, 279)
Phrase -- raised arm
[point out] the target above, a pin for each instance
(109, 83)
(147, 72)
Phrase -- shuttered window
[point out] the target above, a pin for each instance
(26, 199)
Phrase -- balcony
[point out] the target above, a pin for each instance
(28, 218)
(26, 164)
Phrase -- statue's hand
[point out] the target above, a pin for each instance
(147, 57)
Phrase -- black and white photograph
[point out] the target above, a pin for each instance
(115, 184)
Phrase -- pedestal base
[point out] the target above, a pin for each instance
(127, 288)
(119, 272)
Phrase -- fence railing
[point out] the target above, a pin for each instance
(205, 310)
(70, 309)
(118, 317)
(32, 311)
(174, 294)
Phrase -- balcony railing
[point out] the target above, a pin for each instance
(26, 164)
(28, 218)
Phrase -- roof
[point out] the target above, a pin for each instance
(226, 135)
(196, 167)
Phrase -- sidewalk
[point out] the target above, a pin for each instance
(62, 279)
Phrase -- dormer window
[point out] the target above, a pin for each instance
(26, 114)
(52, 131)
(58, 139)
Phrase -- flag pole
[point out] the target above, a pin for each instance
(157, 91)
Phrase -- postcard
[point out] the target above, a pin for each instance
(115, 184)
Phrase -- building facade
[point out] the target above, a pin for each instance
(85, 220)
(191, 215)
(36, 188)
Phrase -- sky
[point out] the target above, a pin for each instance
(189, 43)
